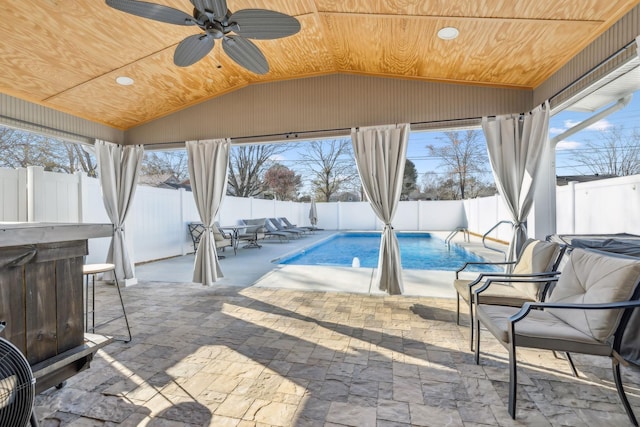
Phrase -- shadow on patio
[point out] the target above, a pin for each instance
(255, 356)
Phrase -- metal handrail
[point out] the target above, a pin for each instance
(453, 233)
(484, 236)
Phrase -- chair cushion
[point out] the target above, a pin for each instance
(537, 256)
(497, 293)
(539, 329)
(592, 277)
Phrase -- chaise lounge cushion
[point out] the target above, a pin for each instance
(591, 277)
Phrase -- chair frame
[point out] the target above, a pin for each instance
(616, 359)
(505, 277)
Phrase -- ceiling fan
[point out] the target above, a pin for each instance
(214, 18)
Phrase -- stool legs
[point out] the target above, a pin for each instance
(123, 310)
(90, 304)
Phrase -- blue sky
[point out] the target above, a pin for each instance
(565, 165)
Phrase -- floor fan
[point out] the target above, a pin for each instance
(17, 387)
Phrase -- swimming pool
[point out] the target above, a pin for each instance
(419, 251)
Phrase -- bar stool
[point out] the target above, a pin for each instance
(91, 270)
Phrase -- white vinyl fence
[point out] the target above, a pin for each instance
(157, 224)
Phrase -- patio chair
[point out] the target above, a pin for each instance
(537, 260)
(287, 225)
(590, 310)
(281, 227)
(254, 231)
(223, 239)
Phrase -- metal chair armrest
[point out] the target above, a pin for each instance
(466, 264)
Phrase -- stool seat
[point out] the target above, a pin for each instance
(97, 268)
(90, 271)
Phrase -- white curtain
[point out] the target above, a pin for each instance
(515, 144)
(118, 167)
(380, 154)
(208, 163)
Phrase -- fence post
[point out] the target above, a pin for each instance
(35, 183)
(182, 220)
(80, 176)
(23, 195)
(572, 207)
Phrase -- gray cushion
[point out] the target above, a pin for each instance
(496, 293)
(536, 256)
(592, 277)
(539, 329)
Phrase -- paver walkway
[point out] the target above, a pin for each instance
(230, 356)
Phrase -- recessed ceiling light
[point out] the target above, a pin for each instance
(448, 33)
(124, 80)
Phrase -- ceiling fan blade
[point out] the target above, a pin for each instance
(246, 54)
(157, 12)
(218, 7)
(264, 24)
(193, 49)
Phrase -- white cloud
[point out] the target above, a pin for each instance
(277, 158)
(556, 131)
(600, 125)
(567, 145)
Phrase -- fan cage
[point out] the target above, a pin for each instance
(17, 387)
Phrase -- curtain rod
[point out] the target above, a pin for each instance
(311, 134)
(6, 121)
(593, 69)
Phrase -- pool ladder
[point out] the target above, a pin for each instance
(453, 233)
(504, 253)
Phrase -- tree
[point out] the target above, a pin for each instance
(174, 163)
(22, 148)
(463, 154)
(246, 167)
(615, 153)
(331, 167)
(409, 179)
(283, 182)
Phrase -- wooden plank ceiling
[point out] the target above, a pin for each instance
(66, 54)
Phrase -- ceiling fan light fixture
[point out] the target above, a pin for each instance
(124, 80)
(448, 33)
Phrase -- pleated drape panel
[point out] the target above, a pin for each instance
(208, 162)
(380, 154)
(515, 144)
(118, 168)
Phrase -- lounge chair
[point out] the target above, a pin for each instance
(590, 310)
(538, 260)
(253, 232)
(273, 230)
(287, 225)
(280, 226)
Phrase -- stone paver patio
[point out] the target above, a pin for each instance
(230, 356)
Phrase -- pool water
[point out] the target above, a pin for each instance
(419, 251)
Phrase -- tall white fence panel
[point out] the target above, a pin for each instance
(606, 206)
(93, 212)
(53, 197)
(157, 223)
(483, 213)
(440, 215)
(13, 195)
